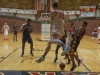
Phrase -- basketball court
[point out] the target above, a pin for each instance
(11, 62)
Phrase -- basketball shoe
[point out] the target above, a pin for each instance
(41, 59)
(73, 67)
(55, 59)
(66, 49)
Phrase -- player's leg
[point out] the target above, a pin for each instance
(66, 49)
(23, 45)
(99, 41)
(56, 53)
(69, 60)
(47, 49)
(67, 55)
(31, 48)
(59, 32)
(79, 61)
(71, 54)
(16, 36)
(31, 45)
(54, 40)
(6, 37)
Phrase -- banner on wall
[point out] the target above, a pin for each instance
(71, 12)
(21, 11)
(67, 12)
(88, 11)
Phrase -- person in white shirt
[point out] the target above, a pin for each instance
(98, 33)
(6, 30)
(58, 24)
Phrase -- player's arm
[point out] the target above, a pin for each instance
(8, 29)
(2, 29)
(23, 27)
(66, 25)
(78, 32)
(52, 15)
(32, 28)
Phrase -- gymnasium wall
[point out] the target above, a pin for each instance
(10, 22)
(92, 24)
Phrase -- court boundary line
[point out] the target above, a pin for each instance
(9, 54)
(86, 67)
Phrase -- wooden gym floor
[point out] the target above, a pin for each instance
(10, 58)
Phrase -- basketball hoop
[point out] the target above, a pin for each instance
(76, 14)
(45, 16)
(45, 19)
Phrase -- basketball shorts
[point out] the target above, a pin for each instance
(27, 39)
(5, 32)
(15, 32)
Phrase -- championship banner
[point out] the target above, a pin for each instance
(21, 11)
(88, 11)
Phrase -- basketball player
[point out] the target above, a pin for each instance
(57, 31)
(63, 39)
(95, 33)
(27, 29)
(77, 36)
(98, 33)
(15, 27)
(70, 31)
(6, 29)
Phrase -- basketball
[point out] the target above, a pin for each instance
(62, 66)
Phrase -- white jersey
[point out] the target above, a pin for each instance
(98, 32)
(6, 29)
(58, 23)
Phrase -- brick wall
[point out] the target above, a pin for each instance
(92, 24)
(10, 22)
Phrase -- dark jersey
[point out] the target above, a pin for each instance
(65, 36)
(75, 37)
(76, 40)
(28, 30)
(15, 27)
